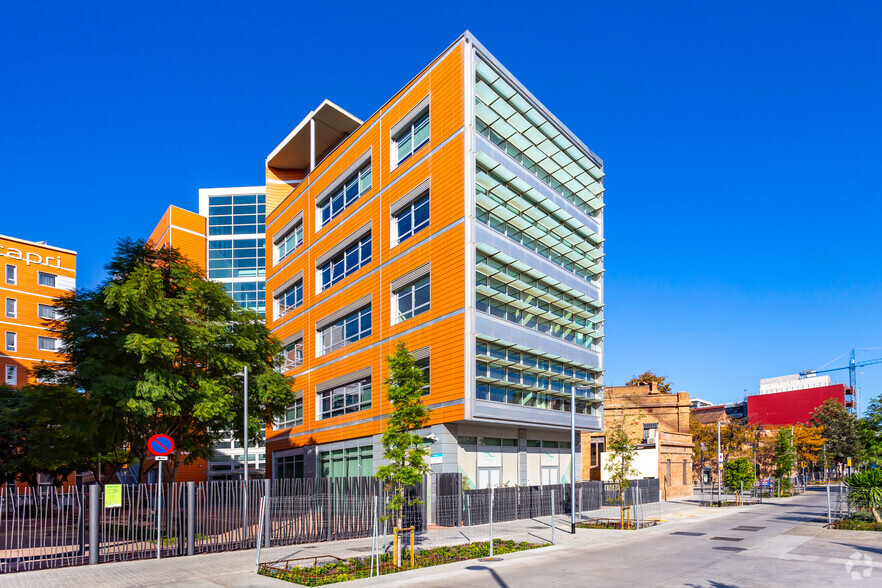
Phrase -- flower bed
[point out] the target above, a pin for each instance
(329, 569)
(615, 524)
(860, 521)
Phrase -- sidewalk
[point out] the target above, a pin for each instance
(236, 568)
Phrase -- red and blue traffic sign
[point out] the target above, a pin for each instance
(160, 444)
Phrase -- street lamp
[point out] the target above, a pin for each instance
(756, 435)
(719, 466)
(701, 472)
(244, 373)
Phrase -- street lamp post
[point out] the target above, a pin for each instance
(245, 464)
(719, 469)
(573, 462)
(701, 470)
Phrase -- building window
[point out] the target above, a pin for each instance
(354, 186)
(10, 274)
(46, 343)
(10, 308)
(650, 433)
(236, 215)
(338, 267)
(414, 135)
(11, 375)
(412, 299)
(351, 462)
(44, 311)
(349, 329)
(248, 295)
(292, 355)
(236, 258)
(46, 279)
(289, 466)
(289, 242)
(668, 473)
(423, 364)
(293, 416)
(290, 299)
(411, 219)
(346, 399)
(10, 341)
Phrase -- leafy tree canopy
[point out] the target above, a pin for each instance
(870, 428)
(738, 471)
(649, 377)
(157, 349)
(840, 429)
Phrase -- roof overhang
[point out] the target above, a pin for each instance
(332, 125)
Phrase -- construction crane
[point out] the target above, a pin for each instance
(852, 376)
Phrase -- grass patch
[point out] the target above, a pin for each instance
(860, 521)
(330, 570)
(615, 524)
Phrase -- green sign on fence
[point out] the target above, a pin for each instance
(113, 496)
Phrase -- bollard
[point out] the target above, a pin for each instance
(191, 518)
(94, 511)
(374, 540)
(469, 511)
(268, 517)
(741, 494)
(637, 504)
(552, 518)
(829, 513)
(491, 521)
(412, 530)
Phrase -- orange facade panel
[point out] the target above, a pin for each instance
(183, 230)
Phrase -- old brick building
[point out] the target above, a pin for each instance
(659, 423)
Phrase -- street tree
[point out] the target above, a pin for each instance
(738, 471)
(784, 457)
(870, 428)
(649, 377)
(840, 429)
(621, 455)
(403, 447)
(809, 442)
(157, 347)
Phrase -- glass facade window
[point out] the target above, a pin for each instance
(534, 318)
(423, 364)
(11, 307)
(290, 298)
(351, 462)
(236, 215)
(288, 466)
(46, 279)
(249, 295)
(236, 258)
(355, 256)
(44, 311)
(293, 416)
(412, 137)
(411, 219)
(11, 375)
(10, 274)
(292, 355)
(10, 341)
(523, 397)
(412, 299)
(340, 199)
(349, 329)
(346, 399)
(46, 343)
(291, 241)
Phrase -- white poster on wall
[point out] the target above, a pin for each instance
(489, 459)
(550, 459)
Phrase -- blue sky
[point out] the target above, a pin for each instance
(741, 146)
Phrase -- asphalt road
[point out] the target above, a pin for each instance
(775, 544)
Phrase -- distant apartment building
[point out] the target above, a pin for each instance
(464, 219)
(793, 407)
(792, 382)
(658, 424)
(34, 274)
(226, 239)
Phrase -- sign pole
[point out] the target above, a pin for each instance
(158, 507)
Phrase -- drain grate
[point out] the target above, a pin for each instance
(748, 528)
(688, 533)
(539, 527)
(729, 548)
(362, 549)
(726, 538)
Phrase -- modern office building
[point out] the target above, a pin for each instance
(464, 219)
(226, 239)
(34, 274)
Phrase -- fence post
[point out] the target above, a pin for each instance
(491, 521)
(829, 513)
(469, 511)
(268, 514)
(94, 511)
(741, 494)
(261, 510)
(637, 503)
(552, 518)
(374, 540)
(330, 502)
(191, 518)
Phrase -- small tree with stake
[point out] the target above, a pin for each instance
(620, 465)
(403, 448)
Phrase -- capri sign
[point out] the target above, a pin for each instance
(29, 257)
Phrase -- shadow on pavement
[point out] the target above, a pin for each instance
(493, 573)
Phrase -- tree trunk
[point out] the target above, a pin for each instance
(176, 461)
(876, 514)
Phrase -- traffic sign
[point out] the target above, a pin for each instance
(160, 444)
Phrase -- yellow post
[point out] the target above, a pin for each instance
(629, 518)
(622, 524)
(412, 529)
(397, 561)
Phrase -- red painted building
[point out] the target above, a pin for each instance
(795, 406)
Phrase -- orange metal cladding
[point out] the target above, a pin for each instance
(30, 260)
(183, 230)
(442, 244)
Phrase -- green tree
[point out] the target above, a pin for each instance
(738, 471)
(870, 428)
(157, 349)
(403, 447)
(622, 453)
(649, 377)
(865, 491)
(840, 429)
(784, 457)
